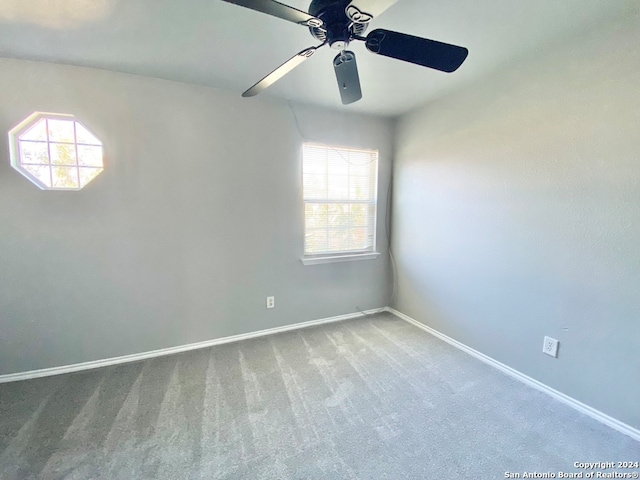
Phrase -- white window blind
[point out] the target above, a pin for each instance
(340, 197)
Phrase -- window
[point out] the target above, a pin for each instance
(55, 151)
(340, 194)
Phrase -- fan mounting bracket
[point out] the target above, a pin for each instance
(356, 15)
(314, 23)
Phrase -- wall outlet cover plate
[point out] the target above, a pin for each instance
(550, 346)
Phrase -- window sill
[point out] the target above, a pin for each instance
(339, 258)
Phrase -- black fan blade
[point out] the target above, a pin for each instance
(281, 71)
(347, 75)
(362, 11)
(280, 10)
(421, 51)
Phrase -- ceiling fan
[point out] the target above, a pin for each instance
(338, 22)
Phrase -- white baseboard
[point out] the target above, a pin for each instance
(46, 372)
(572, 402)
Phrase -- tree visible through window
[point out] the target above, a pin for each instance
(340, 197)
(55, 151)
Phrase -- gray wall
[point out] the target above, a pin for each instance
(196, 218)
(517, 215)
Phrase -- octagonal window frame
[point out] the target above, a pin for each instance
(41, 141)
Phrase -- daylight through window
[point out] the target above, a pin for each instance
(340, 195)
(55, 151)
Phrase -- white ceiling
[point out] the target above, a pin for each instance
(210, 42)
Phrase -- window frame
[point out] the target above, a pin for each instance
(15, 152)
(345, 255)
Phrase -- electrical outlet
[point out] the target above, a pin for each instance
(550, 346)
(271, 302)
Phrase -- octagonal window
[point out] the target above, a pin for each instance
(55, 151)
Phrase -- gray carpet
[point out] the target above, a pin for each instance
(371, 398)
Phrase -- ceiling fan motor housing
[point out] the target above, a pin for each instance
(339, 29)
